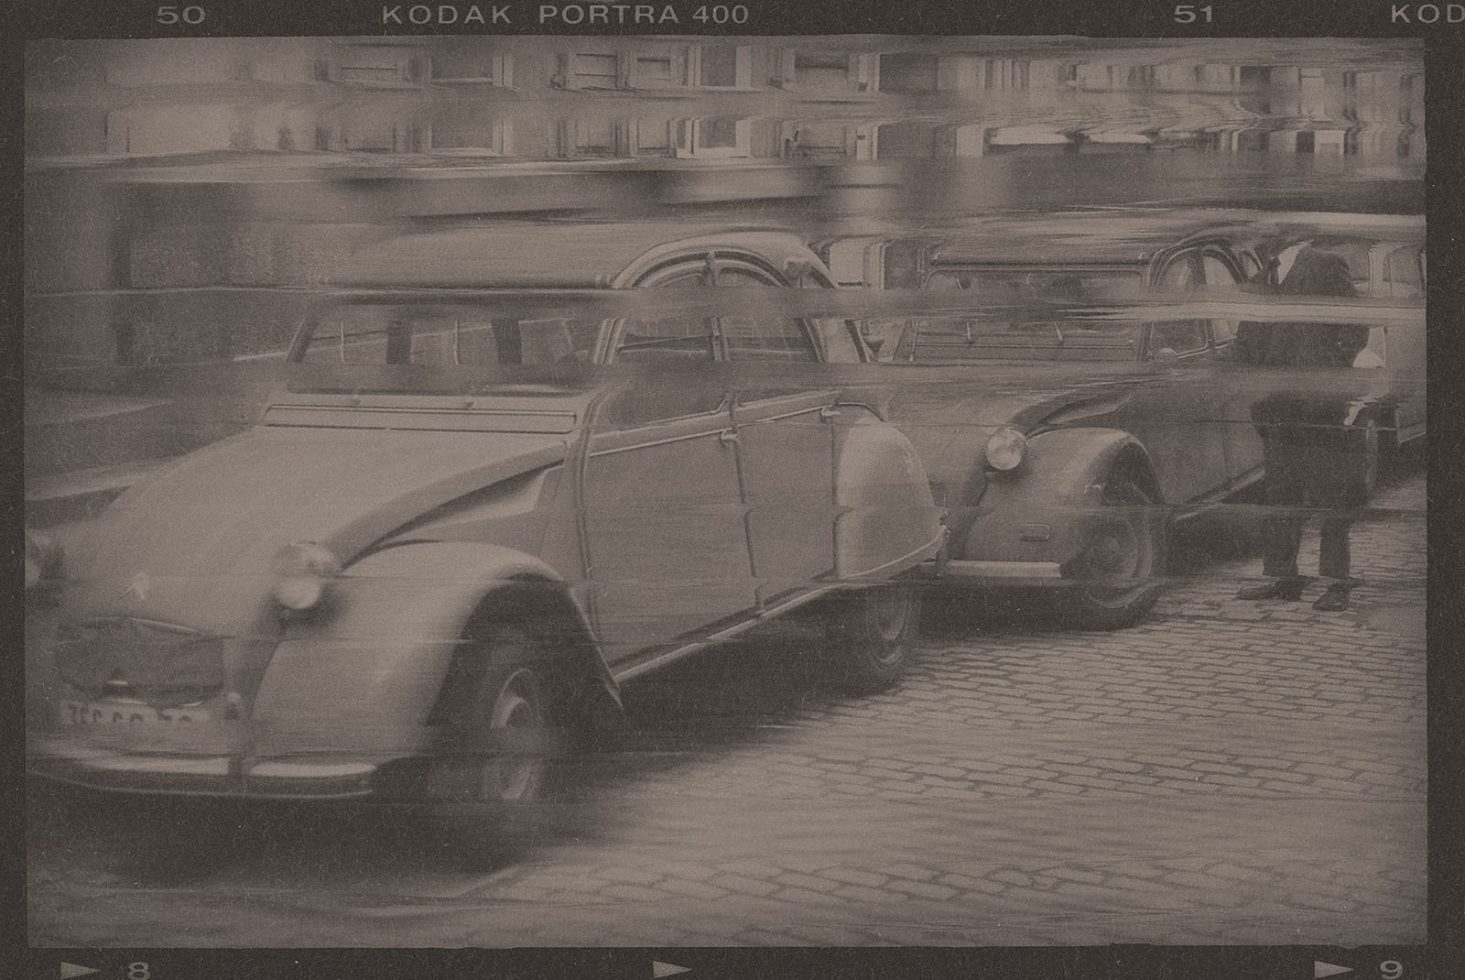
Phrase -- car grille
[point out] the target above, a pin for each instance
(158, 662)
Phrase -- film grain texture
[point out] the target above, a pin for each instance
(724, 491)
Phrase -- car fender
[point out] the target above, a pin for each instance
(364, 671)
(1061, 479)
(887, 520)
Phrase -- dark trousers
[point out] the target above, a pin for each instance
(1305, 473)
(1284, 537)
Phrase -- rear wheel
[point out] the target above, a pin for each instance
(872, 637)
(1118, 569)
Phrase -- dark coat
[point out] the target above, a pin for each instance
(1304, 431)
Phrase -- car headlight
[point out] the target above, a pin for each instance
(1006, 449)
(303, 572)
(42, 558)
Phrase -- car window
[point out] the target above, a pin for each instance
(1219, 275)
(1021, 315)
(678, 338)
(439, 335)
(658, 400)
(1181, 336)
(762, 337)
(767, 339)
(1180, 272)
(1403, 275)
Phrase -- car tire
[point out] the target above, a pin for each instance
(1121, 567)
(494, 769)
(872, 637)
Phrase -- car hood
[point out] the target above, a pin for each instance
(180, 546)
(1018, 397)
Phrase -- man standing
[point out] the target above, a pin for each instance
(1308, 437)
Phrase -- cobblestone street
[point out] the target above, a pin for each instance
(1226, 772)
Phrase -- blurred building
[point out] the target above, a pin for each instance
(542, 99)
(261, 162)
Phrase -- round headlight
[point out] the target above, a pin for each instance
(303, 572)
(1006, 449)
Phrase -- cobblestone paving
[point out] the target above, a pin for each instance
(1224, 772)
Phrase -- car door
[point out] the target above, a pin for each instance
(1233, 395)
(1177, 411)
(665, 537)
(786, 453)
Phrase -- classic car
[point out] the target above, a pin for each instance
(455, 533)
(1065, 448)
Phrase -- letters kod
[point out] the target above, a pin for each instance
(1427, 13)
(444, 14)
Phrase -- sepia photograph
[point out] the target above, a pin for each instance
(719, 490)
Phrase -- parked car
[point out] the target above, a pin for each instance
(1064, 448)
(455, 534)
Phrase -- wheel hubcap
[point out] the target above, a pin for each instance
(1120, 555)
(513, 774)
(889, 610)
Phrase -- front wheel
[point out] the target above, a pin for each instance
(1118, 570)
(495, 761)
(872, 637)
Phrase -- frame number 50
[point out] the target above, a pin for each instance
(191, 15)
(1189, 13)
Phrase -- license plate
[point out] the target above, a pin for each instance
(125, 713)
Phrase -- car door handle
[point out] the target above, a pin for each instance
(727, 437)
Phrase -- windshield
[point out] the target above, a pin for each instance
(1021, 316)
(439, 335)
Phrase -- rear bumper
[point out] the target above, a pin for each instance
(72, 761)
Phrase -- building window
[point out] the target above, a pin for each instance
(591, 71)
(377, 65)
(593, 139)
(715, 137)
(821, 69)
(723, 66)
(457, 69)
(652, 138)
(1254, 140)
(653, 72)
(467, 132)
(908, 73)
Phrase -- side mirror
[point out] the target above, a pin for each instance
(1166, 356)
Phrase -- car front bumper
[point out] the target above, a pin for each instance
(72, 760)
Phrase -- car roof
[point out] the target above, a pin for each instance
(554, 255)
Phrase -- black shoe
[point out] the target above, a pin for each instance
(1283, 588)
(1333, 600)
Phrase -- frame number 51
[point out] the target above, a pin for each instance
(1189, 13)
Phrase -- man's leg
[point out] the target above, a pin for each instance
(1283, 530)
(1333, 563)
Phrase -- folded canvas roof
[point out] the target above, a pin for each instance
(546, 255)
